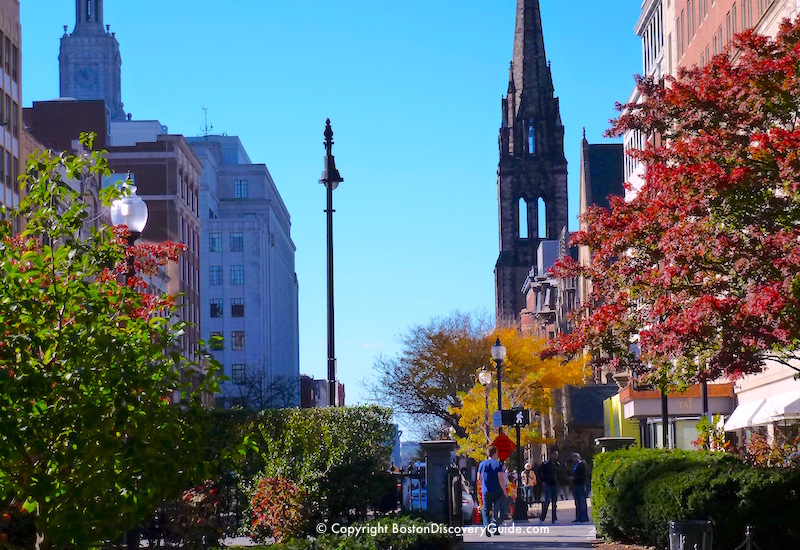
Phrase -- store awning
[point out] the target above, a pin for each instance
(743, 414)
(784, 406)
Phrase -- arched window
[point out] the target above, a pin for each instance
(523, 219)
(531, 138)
(541, 212)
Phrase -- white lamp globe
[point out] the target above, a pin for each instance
(130, 211)
(498, 351)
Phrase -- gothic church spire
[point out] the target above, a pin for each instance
(532, 173)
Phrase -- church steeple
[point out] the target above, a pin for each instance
(529, 68)
(532, 173)
(89, 62)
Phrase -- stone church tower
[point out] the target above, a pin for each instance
(89, 61)
(532, 173)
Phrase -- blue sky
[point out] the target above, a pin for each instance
(413, 90)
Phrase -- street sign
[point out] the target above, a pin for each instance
(497, 419)
(516, 417)
(504, 446)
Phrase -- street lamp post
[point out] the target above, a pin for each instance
(331, 180)
(131, 211)
(485, 378)
(498, 354)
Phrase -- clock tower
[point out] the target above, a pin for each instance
(89, 61)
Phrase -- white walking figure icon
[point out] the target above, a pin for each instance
(519, 418)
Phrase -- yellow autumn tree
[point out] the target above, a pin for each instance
(527, 382)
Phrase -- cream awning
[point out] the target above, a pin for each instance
(779, 407)
(742, 416)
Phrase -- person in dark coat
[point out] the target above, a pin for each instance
(548, 475)
(579, 479)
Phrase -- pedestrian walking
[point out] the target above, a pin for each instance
(579, 478)
(494, 489)
(549, 474)
(528, 482)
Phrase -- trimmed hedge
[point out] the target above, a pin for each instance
(338, 455)
(637, 492)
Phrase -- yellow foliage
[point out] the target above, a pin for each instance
(527, 381)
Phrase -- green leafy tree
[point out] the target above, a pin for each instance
(90, 442)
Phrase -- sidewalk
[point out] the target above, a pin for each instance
(529, 535)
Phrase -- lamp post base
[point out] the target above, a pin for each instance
(520, 508)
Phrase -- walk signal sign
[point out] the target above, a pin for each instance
(516, 417)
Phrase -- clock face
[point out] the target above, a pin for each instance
(86, 77)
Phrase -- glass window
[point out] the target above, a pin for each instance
(237, 340)
(240, 189)
(215, 275)
(216, 307)
(237, 307)
(237, 274)
(218, 344)
(237, 373)
(237, 242)
(531, 138)
(249, 216)
(215, 242)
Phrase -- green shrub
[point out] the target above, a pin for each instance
(637, 492)
(337, 455)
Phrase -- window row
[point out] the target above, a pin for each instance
(237, 307)
(237, 340)
(9, 56)
(215, 242)
(215, 275)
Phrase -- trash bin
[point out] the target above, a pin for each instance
(690, 535)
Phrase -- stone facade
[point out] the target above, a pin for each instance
(11, 154)
(249, 284)
(89, 62)
(532, 172)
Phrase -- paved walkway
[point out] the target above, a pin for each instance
(529, 535)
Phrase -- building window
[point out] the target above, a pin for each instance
(237, 340)
(250, 215)
(215, 242)
(240, 189)
(531, 138)
(237, 274)
(523, 218)
(237, 242)
(237, 307)
(216, 344)
(237, 373)
(216, 307)
(215, 275)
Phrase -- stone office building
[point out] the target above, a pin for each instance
(249, 284)
(11, 154)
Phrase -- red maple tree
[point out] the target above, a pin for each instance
(702, 263)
